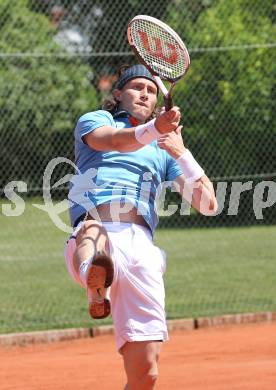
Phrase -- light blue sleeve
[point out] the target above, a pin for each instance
(91, 121)
(173, 169)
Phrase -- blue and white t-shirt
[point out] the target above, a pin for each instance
(108, 177)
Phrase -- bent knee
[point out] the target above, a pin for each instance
(91, 224)
(150, 375)
(140, 359)
(145, 378)
(149, 379)
(93, 231)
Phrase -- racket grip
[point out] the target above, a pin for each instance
(168, 102)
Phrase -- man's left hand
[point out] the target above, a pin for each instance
(172, 143)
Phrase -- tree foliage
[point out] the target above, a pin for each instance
(102, 21)
(41, 96)
(230, 82)
(226, 98)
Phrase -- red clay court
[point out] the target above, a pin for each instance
(219, 358)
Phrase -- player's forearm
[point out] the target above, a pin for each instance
(200, 194)
(141, 135)
(203, 196)
(195, 185)
(108, 138)
(124, 140)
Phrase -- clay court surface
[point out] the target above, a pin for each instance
(233, 357)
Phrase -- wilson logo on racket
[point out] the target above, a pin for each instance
(158, 50)
(161, 50)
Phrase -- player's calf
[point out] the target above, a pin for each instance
(94, 266)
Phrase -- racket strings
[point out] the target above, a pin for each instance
(159, 49)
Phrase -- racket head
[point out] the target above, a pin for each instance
(158, 47)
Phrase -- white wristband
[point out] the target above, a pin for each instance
(147, 133)
(190, 167)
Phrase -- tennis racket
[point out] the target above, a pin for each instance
(161, 50)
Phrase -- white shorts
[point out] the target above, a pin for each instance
(137, 293)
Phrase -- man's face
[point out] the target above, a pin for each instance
(138, 97)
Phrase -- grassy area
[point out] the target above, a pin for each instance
(224, 270)
(209, 272)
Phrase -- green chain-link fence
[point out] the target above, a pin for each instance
(58, 60)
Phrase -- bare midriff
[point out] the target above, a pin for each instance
(113, 213)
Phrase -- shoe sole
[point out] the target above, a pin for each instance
(100, 277)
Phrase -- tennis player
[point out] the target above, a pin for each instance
(123, 153)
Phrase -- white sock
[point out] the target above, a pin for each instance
(83, 270)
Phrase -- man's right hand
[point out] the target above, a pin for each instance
(167, 121)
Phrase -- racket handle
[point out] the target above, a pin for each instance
(168, 102)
